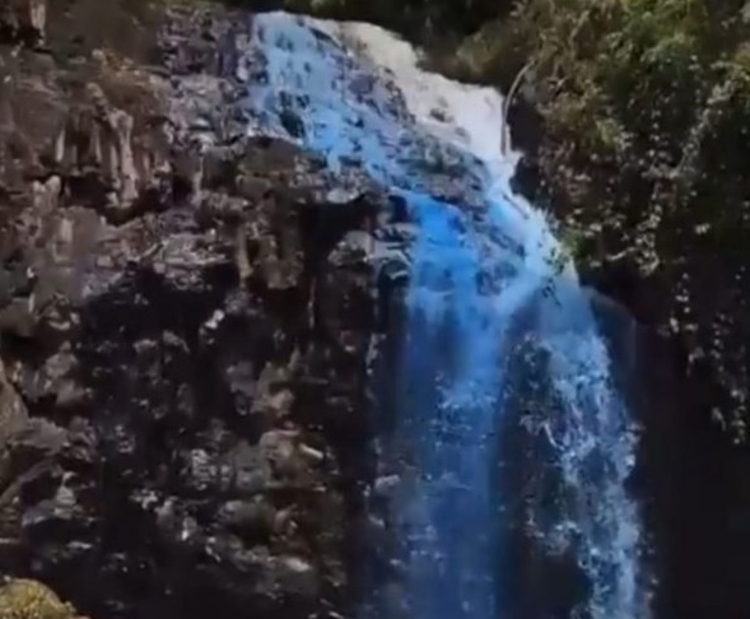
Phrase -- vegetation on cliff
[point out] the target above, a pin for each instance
(29, 599)
(645, 106)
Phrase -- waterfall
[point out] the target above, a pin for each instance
(482, 260)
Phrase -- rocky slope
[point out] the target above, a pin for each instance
(186, 314)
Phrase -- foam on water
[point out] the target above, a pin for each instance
(354, 93)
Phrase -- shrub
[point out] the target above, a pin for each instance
(29, 599)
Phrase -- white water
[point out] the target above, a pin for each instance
(358, 98)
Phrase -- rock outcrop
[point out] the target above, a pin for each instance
(184, 323)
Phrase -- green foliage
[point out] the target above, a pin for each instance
(29, 599)
(646, 112)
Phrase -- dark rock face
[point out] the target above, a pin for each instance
(695, 485)
(185, 320)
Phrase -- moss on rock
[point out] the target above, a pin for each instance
(29, 599)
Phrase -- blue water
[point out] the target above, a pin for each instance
(476, 267)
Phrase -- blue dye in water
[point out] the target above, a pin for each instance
(473, 271)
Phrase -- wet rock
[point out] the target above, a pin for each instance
(24, 20)
(297, 576)
(249, 518)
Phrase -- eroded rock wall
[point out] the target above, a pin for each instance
(184, 321)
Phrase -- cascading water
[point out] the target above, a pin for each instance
(481, 257)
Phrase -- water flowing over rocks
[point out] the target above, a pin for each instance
(195, 304)
(198, 315)
(476, 270)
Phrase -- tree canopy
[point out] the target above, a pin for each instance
(645, 107)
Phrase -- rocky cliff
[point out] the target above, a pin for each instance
(187, 312)
(185, 317)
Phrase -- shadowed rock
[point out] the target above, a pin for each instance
(185, 314)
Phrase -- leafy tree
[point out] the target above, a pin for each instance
(645, 106)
